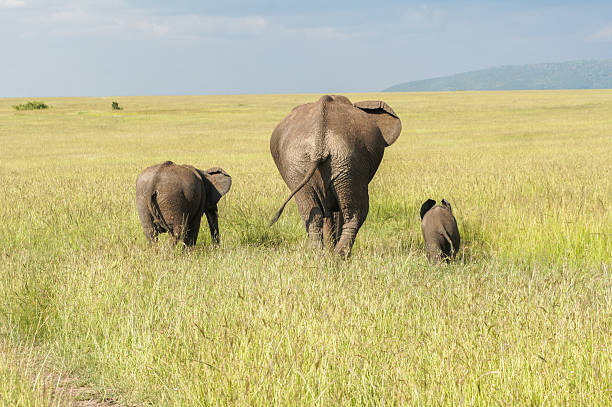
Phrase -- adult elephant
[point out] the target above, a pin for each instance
(327, 153)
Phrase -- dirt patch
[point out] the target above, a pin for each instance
(66, 391)
(53, 387)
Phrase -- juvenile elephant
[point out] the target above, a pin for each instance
(172, 198)
(327, 153)
(440, 230)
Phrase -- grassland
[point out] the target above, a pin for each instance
(523, 317)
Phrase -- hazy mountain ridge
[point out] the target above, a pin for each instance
(592, 74)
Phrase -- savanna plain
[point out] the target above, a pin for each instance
(523, 316)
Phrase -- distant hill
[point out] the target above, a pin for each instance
(564, 75)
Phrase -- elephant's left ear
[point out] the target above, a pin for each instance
(220, 181)
(387, 120)
(427, 205)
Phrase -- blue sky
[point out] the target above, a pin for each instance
(139, 47)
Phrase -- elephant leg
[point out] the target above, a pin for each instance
(434, 254)
(314, 227)
(212, 216)
(150, 231)
(332, 228)
(191, 234)
(329, 231)
(312, 216)
(354, 206)
(179, 231)
(338, 223)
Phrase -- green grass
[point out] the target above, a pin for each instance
(31, 106)
(523, 317)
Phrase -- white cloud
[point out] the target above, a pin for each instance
(91, 19)
(325, 33)
(12, 3)
(424, 15)
(605, 34)
(68, 16)
(194, 25)
(321, 31)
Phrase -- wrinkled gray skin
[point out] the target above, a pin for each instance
(327, 153)
(440, 230)
(172, 198)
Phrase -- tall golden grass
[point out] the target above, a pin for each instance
(523, 317)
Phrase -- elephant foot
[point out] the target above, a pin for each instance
(342, 251)
(316, 242)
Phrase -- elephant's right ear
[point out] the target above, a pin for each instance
(220, 183)
(426, 207)
(387, 120)
(447, 204)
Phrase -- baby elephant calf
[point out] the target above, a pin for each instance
(439, 230)
(172, 198)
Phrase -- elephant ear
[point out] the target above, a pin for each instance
(219, 183)
(387, 120)
(447, 204)
(427, 205)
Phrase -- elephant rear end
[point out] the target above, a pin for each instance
(168, 197)
(173, 198)
(327, 153)
(440, 231)
(145, 202)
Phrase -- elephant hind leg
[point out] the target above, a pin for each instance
(212, 216)
(191, 234)
(354, 207)
(312, 216)
(329, 232)
(434, 254)
(179, 230)
(339, 222)
(148, 227)
(314, 227)
(332, 229)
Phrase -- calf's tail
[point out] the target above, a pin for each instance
(154, 209)
(157, 215)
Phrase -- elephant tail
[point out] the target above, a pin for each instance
(157, 215)
(309, 175)
(154, 209)
(319, 154)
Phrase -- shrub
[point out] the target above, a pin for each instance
(115, 105)
(31, 105)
